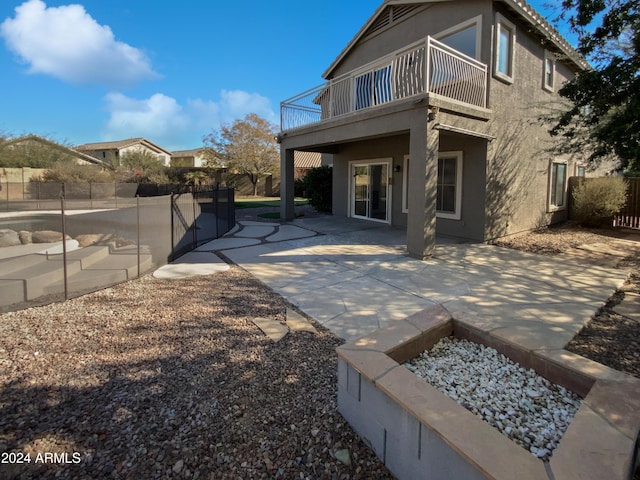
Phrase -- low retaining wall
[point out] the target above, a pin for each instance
(419, 432)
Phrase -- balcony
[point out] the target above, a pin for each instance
(427, 66)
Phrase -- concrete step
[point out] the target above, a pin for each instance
(87, 256)
(11, 291)
(18, 267)
(44, 270)
(117, 267)
(87, 268)
(16, 264)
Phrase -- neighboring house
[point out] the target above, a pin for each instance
(79, 157)
(104, 151)
(431, 116)
(188, 158)
(305, 161)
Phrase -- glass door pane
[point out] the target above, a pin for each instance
(361, 191)
(379, 178)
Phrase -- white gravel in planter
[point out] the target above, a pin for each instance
(527, 408)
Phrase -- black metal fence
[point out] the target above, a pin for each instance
(102, 247)
(46, 195)
(200, 216)
(128, 235)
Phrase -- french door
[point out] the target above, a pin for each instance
(370, 191)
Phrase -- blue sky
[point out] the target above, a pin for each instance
(168, 71)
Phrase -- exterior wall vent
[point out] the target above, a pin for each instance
(389, 16)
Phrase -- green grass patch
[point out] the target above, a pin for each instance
(274, 215)
(259, 202)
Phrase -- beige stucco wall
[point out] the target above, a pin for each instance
(506, 180)
(520, 157)
(430, 20)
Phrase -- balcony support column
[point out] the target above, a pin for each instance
(287, 206)
(424, 145)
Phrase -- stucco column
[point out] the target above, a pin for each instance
(287, 211)
(423, 175)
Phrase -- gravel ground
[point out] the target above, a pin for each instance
(520, 404)
(171, 379)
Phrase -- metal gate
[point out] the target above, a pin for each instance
(200, 216)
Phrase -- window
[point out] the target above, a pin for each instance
(449, 190)
(557, 185)
(464, 37)
(449, 185)
(581, 170)
(504, 49)
(549, 71)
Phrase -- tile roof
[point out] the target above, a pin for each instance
(118, 144)
(306, 159)
(194, 152)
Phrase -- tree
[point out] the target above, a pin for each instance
(31, 151)
(247, 147)
(141, 166)
(604, 114)
(68, 171)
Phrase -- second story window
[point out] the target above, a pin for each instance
(505, 34)
(549, 71)
(464, 37)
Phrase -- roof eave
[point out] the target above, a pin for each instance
(522, 8)
(542, 26)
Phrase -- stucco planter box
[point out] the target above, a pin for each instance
(420, 433)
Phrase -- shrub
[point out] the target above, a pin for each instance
(597, 200)
(70, 172)
(298, 187)
(317, 186)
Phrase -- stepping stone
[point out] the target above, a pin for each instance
(630, 306)
(191, 264)
(271, 328)
(298, 323)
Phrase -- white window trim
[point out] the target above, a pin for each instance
(405, 184)
(375, 161)
(457, 215)
(551, 207)
(549, 56)
(500, 21)
(577, 168)
(477, 21)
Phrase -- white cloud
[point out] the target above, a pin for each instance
(67, 43)
(164, 121)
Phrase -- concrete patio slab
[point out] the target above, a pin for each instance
(256, 231)
(355, 277)
(630, 306)
(290, 232)
(224, 243)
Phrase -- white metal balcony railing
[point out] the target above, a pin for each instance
(402, 74)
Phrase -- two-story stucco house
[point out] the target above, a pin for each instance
(105, 151)
(430, 114)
